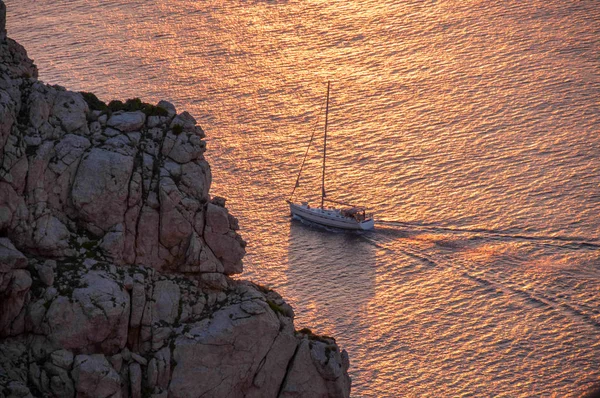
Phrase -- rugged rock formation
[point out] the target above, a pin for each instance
(115, 262)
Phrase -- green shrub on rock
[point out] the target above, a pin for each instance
(116, 105)
(93, 102)
(177, 129)
(131, 105)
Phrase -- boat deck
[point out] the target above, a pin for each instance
(329, 217)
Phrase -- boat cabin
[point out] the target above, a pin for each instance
(358, 213)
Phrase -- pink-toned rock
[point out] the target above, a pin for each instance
(147, 243)
(214, 281)
(15, 283)
(14, 57)
(165, 299)
(195, 180)
(174, 226)
(163, 363)
(224, 242)
(185, 120)
(135, 380)
(60, 172)
(94, 377)
(317, 370)
(216, 219)
(18, 170)
(7, 116)
(138, 302)
(127, 121)
(229, 249)
(199, 257)
(10, 257)
(14, 286)
(184, 148)
(268, 379)
(39, 106)
(220, 357)
(101, 187)
(94, 318)
(37, 191)
(169, 107)
(13, 211)
(50, 236)
(71, 110)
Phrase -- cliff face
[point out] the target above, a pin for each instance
(114, 261)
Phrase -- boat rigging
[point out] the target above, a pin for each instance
(347, 217)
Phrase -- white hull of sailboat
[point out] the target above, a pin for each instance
(329, 217)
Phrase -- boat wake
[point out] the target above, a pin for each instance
(492, 276)
(410, 228)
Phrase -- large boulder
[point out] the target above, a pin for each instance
(71, 110)
(7, 116)
(15, 283)
(127, 121)
(166, 296)
(175, 225)
(94, 377)
(317, 370)
(90, 315)
(16, 65)
(50, 236)
(219, 357)
(183, 148)
(220, 236)
(101, 188)
(10, 257)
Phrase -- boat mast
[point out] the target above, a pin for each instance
(324, 150)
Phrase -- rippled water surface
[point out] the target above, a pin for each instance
(472, 128)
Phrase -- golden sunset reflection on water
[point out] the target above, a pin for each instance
(472, 129)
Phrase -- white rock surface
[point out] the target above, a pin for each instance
(127, 121)
(70, 109)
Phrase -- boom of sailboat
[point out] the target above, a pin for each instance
(345, 217)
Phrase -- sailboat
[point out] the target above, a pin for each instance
(346, 217)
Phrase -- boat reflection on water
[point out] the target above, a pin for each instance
(328, 269)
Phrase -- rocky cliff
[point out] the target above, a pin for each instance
(115, 261)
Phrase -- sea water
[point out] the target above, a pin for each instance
(470, 128)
